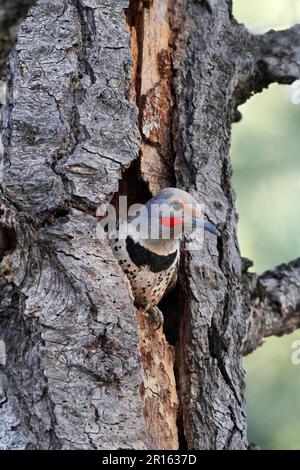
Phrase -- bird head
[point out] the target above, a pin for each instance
(174, 212)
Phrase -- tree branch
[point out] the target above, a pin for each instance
(11, 13)
(271, 57)
(273, 299)
(278, 55)
(274, 304)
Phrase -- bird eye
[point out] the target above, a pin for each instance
(177, 206)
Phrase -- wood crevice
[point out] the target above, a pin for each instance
(152, 39)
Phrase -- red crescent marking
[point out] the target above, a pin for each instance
(170, 221)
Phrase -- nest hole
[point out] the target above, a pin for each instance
(8, 241)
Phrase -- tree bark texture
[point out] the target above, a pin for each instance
(11, 13)
(110, 97)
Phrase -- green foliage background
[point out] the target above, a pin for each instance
(266, 162)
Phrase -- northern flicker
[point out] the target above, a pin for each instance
(149, 253)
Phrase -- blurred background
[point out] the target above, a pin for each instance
(266, 162)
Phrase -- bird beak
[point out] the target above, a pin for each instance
(211, 228)
(207, 226)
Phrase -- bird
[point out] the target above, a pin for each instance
(148, 250)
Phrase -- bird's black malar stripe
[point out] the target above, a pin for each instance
(141, 256)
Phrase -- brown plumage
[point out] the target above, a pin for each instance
(151, 263)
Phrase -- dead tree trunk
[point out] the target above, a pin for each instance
(125, 97)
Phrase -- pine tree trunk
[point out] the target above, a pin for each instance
(110, 97)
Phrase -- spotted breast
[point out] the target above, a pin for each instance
(149, 273)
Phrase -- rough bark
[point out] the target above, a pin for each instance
(105, 98)
(273, 302)
(11, 13)
(73, 371)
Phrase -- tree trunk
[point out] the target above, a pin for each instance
(126, 97)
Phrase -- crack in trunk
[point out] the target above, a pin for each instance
(152, 40)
